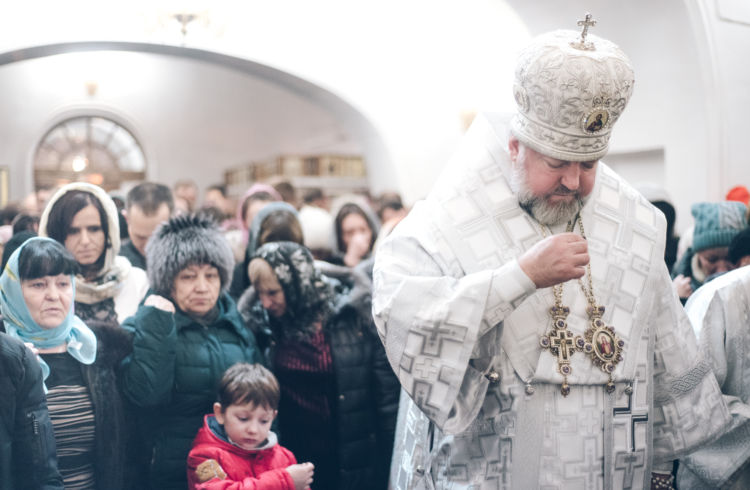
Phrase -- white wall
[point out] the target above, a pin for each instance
(413, 68)
(194, 119)
(728, 22)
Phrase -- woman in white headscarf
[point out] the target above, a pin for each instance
(84, 219)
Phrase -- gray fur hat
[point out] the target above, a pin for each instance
(182, 241)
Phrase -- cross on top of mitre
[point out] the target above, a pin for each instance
(585, 24)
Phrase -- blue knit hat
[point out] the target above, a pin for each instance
(716, 223)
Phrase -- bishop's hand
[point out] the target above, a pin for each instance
(555, 259)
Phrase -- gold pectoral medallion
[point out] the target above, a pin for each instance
(601, 343)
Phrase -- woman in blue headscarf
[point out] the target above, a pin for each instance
(37, 289)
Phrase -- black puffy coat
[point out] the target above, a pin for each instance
(366, 399)
(364, 395)
(27, 442)
(112, 345)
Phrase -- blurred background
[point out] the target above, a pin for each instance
(346, 95)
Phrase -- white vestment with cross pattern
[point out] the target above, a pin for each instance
(720, 313)
(452, 306)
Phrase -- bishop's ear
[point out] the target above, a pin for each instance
(513, 148)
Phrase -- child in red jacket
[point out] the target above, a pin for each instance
(236, 449)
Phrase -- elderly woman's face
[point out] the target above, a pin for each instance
(85, 238)
(48, 299)
(272, 297)
(267, 287)
(196, 289)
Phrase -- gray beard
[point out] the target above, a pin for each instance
(539, 208)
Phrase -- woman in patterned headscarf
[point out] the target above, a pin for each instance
(339, 397)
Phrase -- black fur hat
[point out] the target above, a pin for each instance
(182, 241)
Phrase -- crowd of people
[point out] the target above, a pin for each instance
(136, 350)
(532, 323)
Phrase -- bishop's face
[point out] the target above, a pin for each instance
(551, 190)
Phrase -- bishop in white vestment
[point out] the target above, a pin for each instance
(585, 379)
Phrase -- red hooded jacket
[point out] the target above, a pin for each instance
(257, 469)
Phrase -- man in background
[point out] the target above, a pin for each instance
(216, 197)
(148, 204)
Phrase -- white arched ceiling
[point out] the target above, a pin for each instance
(412, 69)
(196, 113)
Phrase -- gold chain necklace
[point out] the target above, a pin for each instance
(599, 342)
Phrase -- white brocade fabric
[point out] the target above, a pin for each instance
(452, 304)
(130, 292)
(720, 312)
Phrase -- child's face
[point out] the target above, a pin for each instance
(247, 425)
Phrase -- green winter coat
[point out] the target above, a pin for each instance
(172, 376)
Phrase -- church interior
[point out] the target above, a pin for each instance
(346, 95)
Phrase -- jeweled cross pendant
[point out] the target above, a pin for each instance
(560, 342)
